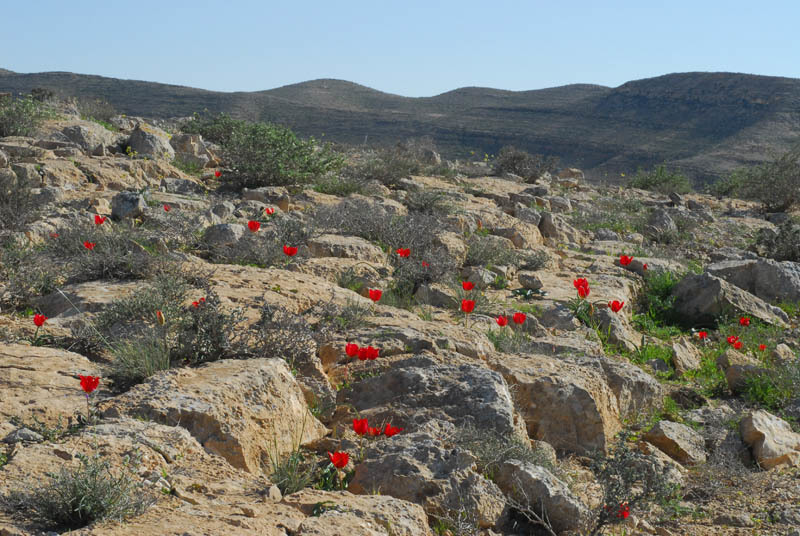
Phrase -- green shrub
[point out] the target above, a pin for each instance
(731, 186)
(22, 116)
(387, 166)
(78, 496)
(774, 389)
(430, 202)
(137, 359)
(488, 251)
(214, 128)
(25, 273)
(492, 449)
(657, 302)
(662, 181)
(338, 185)
(293, 473)
(775, 183)
(98, 110)
(528, 166)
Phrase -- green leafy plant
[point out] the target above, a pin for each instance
(22, 116)
(528, 166)
(92, 491)
(661, 180)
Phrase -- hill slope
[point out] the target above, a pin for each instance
(705, 123)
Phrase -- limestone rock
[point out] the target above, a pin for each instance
(349, 247)
(128, 205)
(537, 488)
(223, 234)
(150, 141)
(701, 298)
(771, 438)
(768, 279)
(241, 410)
(685, 356)
(678, 441)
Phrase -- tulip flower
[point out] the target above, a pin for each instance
(624, 511)
(360, 426)
(89, 383)
(738, 345)
(644, 267)
(425, 264)
(615, 305)
(339, 459)
(502, 321)
(160, 318)
(467, 285)
(702, 335)
(269, 210)
(467, 306)
(99, 220)
(762, 347)
(167, 208)
(403, 252)
(351, 349)
(218, 174)
(291, 251)
(374, 432)
(390, 430)
(625, 260)
(744, 321)
(368, 353)
(39, 320)
(582, 286)
(519, 318)
(89, 245)
(254, 226)
(375, 294)
(53, 235)
(732, 339)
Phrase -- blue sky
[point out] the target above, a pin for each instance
(413, 48)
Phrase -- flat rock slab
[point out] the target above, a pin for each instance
(41, 383)
(246, 411)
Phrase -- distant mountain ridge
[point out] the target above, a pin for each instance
(703, 123)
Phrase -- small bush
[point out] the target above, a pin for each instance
(430, 202)
(338, 185)
(97, 109)
(528, 166)
(731, 186)
(214, 128)
(627, 478)
(488, 251)
(662, 181)
(657, 301)
(775, 183)
(137, 359)
(265, 248)
(25, 275)
(492, 449)
(387, 166)
(292, 473)
(76, 497)
(22, 116)
(776, 388)
(17, 206)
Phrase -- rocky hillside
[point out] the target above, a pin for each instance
(706, 124)
(446, 355)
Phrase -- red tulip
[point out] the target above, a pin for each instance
(732, 339)
(360, 426)
(351, 349)
(582, 286)
(403, 252)
(270, 211)
(737, 345)
(467, 285)
(89, 383)
(702, 335)
(625, 260)
(390, 430)
(374, 432)
(502, 321)
(89, 245)
(199, 302)
(375, 294)
(519, 318)
(368, 353)
(339, 459)
(160, 318)
(39, 320)
(624, 511)
(744, 321)
(615, 305)
(99, 220)
(425, 264)
(53, 235)
(644, 266)
(218, 174)
(762, 347)
(254, 226)
(291, 251)
(167, 208)
(467, 306)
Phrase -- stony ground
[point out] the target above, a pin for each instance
(495, 421)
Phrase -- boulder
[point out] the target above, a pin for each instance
(174, 185)
(522, 235)
(128, 205)
(771, 438)
(479, 276)
(523, 212)
(556, 230)
(88, 135)
(270, 195)
(348, 247)
(678, 441)
(223, 234)
(529, 280)
(418, 468)
(150, 141)
(616, 328)
(660, 223)
(685, 356)
(246, 411)
(538, 489)
(560, 204)
(737, 368)
(768, 279)
(700, 299)
(560, 317)
(3, 159)
(192, 149)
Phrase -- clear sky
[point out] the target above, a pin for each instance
(409, 47)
